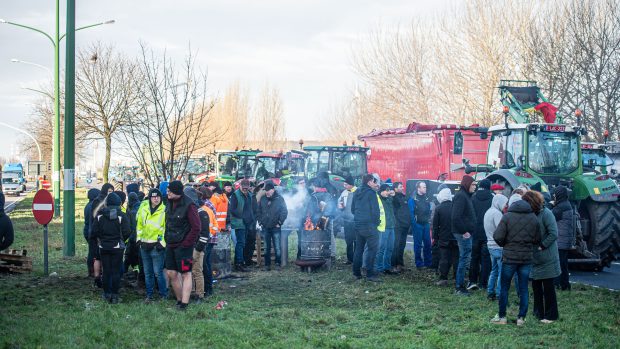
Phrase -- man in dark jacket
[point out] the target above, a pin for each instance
(463, 227)
(182, 230)
(344, 204)
(6, 227)
(250, 234)
(241, 217)
(442, 234)
(109, 231)
(518, 233)
(93, 249)
(132, 252)
(88, 217)
(272, 213)
(420, 209)
(365, 208)
(564, 216)
(386, 238)
(403, 225)
(198, 253)
(480, 258)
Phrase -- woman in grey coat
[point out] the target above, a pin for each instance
(546, 262)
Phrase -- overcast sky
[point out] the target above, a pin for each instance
(301, 46)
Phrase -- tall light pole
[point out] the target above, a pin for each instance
(27, 134)
(55, 41)
(68, 207)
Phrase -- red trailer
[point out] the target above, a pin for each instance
(425, 152)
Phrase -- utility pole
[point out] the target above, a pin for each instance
(68, 207)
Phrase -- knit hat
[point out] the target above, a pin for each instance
(384, 187)
(484, 184)
(113, 200)
(268, 186)
(227, 184)
(537, 187)
(106, 187)
(132, 188)
(154, 193)
(496, 186)
(93, 193)
(121, 195)
(467, 181)
(349, 180)
(389, 182)
(176, 187)
(140, 195)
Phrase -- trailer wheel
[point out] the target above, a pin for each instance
(604, 238)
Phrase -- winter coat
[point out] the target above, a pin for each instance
(518, 233)
(546, 262)
(563, 213)
(205, 223)
(492, 218)
(110, 228)
(240, 210)
(388, 209)
(182, 222)
(481, 200)
(151, 225)
(365, 207)
(133, 205)
(88, 211)
(6, 227)
(442, 219)
(401, 211)
(420, 209)
(272, 212)
(313, 207)
(463, 214)
(346, 198)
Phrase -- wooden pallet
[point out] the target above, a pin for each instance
(15, 261)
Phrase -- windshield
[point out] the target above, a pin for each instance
(595, 157)
(553, 152)
(247, 164)
(505, 150)
(10, 180)
(226, 164)
(266, 168)
(349, 164)
(317, 162)
(196, 166)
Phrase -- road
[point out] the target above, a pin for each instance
(11, 201)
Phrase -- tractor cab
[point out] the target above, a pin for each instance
(246, 163)
(338, 161)
(595, 158)
(279, 167)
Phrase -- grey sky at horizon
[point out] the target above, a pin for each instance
(301, 47)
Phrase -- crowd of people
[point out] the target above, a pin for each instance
(483, 237)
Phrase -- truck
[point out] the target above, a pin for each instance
(13, 181)
(338, 161)
(434, 154)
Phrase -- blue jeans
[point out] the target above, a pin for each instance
(508, 271)
(422, 240)
(495, 277)
(239, 245)
(386, 248)
(464, 259)
(153, 262)
(365, 235)
(272, 235)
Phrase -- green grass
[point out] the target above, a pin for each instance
(286, 309)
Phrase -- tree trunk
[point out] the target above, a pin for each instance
(108, 152)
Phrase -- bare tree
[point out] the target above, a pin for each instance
(269, 124)
(170, 125)
(230, 118)
(107, 86)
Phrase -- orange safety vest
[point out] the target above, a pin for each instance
(213, 226)
(220, 201)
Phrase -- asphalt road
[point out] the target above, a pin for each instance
(11, 201)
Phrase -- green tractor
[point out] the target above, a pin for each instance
(595, 158)
(550, 153)
(338, 161)
(246, 163)
(281, 168)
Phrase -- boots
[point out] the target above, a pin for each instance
(114, 298)
(98, 282)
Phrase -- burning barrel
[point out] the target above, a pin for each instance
(221, 262)
(315, 245)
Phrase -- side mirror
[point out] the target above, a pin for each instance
(458, 143)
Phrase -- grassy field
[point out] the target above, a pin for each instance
(278, 309)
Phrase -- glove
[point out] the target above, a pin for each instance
(200, 245)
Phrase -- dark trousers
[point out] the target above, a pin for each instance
(272, 236)
(545, 301)
(349, 238)
(448, 258)
(400, 241)
(562, 281)
(207, 270)
(90, 260)
(112, 261)
(365, 235)
(480, 263)
(250, 246)
(239, 245)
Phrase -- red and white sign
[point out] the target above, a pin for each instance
(43, 207)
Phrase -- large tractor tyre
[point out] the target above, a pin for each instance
(604, 238)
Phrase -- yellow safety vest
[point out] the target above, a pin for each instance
(381, 227)
(151, 227)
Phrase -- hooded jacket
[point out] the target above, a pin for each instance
(401, 211)
(133, 204)
(240, 209)
(388, 209)
(492, 218)
(365, 207)
(564, 216)
(205, 232)
(346, 198)
(442, 219)
(88, 211)
(6, 227)
(272, 211)
(518, 233)
(463, 214)
(110, 227)
(481, 200)
(151, 225)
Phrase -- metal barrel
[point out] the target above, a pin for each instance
(315, 244)
(221, 259)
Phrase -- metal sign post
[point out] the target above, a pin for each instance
(43, 212)
(45, 252)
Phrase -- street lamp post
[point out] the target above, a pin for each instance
(68, 207)
(56, 143)
(27, 134)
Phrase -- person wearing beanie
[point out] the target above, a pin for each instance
(463, 228)
(480, 259)
(183, 227)
(132, 188)
(564, 215)
(7, 234)
(386, 239)
(442, 233)
(132, 252)
(228, 188)
(110, 230)
(402, 227)
(123, 197)
(88, 210)
(344, 205)
(241, 217)
(199, 248)
(93, 250)
(210, 209)
(141, 195)
(272, 213)
(150, 231)
(366, 218)
(420, 209)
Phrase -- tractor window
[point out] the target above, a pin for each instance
(553, 152)
(227, 165)
(266, 169)
(317, 162)
(246, 166)
(349, 164)
(598, 156)
(505, 150)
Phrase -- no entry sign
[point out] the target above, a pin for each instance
(43, 207)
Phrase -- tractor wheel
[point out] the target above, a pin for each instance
(604, 218)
